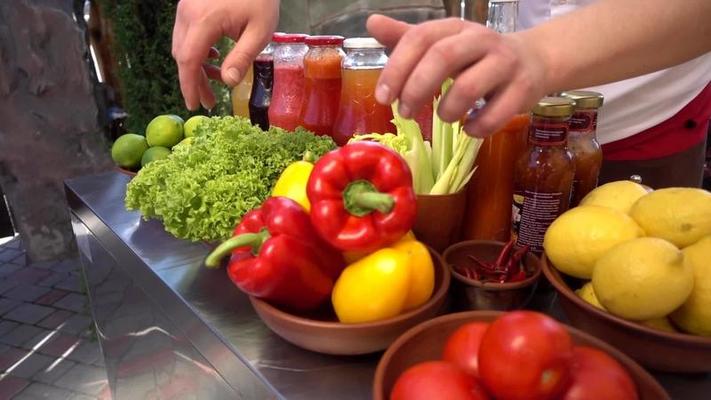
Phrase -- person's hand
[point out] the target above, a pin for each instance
(483, 63)
(199, 24)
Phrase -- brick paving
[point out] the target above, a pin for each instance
(47, 346)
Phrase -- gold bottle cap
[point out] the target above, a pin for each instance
(554, 107)
(585, 99)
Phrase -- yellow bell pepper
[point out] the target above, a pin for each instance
(292, 183)
(353, 256)
(385, 283)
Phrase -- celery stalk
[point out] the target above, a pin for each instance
(417, 155)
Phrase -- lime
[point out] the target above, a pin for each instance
(165, 130)
(128, 150)
(193, 123)
(154, 153)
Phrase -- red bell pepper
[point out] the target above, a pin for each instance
(277, 256)
(361, 197)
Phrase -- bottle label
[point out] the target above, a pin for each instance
(583, 121)
(532, 214)
(548, 132)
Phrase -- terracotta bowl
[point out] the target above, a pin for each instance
(471, 294)
(439, 218)
(425, 342)
(323, 333)
(126, 171)
(659, 350)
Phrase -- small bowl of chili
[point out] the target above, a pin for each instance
(492, 275)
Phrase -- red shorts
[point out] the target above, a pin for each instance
(685, 129)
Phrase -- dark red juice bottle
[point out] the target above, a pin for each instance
(261, 95)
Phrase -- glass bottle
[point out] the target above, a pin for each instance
(261, 96)
(322, 86)
(583, 144)
(240, 95)
(543, 176)
(490, 192)
(288, 92)
(358, 111)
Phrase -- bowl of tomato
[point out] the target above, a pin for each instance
(477, 355)
(653, 348)
(320, 331)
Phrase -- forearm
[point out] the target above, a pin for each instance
(612, 40)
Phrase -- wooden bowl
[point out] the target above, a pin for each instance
(425, 342)
(471, 294)
(439, 218)
(126, 171)
(659, 350)
(323, 333)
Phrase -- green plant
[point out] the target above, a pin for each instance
(148, 74)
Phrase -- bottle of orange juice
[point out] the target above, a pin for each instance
(240, 95)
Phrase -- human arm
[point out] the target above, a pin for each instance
(607, 41)
(200, 24)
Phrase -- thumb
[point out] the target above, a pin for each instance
(386, 30)
(246, 49)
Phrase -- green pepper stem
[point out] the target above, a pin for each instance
(361, 198)
(253, 240)
(309, 156)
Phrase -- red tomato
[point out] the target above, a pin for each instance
(462, 347)
(596, 375)
(436, 380)
(525, 355)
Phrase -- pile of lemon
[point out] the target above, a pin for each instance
(163, 133)
(646, 253)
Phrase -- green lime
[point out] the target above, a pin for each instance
(154, 153)
(192, 123)
(165, 130)
(128, 150)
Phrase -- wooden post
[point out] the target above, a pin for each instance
(49, 119)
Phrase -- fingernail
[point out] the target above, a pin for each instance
(382, 94)
(473, 130)
(405, 111)
(234, 75)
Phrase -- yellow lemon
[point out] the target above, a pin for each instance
(660, 324)
(694, 316)
(581, 235)
(587, 293)
(679, 215)
(620, 195)
(642, 279)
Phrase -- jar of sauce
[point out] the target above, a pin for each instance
(543, 175)
(288, 92)
(322, 84)
(583, 144)
(359, 112)
(261, 95)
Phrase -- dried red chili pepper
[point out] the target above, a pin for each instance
(508, 266)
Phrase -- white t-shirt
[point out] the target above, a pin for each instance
(636, 104)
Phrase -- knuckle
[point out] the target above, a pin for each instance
(443, 53)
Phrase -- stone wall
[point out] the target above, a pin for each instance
(49, 119)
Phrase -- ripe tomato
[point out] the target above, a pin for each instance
(462, 347)
(525, 355)
(596, 375)
(436, 380)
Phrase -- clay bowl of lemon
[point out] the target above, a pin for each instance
(479, 294)
(426, 342)
(321, 332)
(660, 348)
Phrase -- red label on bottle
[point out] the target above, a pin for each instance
(583, 121)
(548, 132)
(532, 214)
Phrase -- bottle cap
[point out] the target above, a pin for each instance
(332, 40)
(554, 107)
(585, 99)
(289, 37)
(362, 43)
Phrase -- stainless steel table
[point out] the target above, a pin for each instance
(169, 328)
